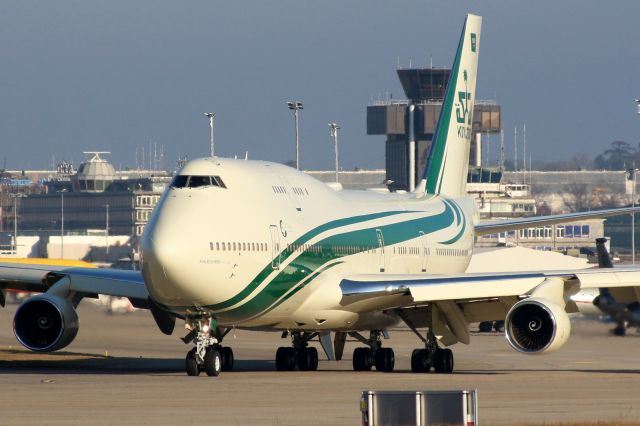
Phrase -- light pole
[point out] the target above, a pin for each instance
(333, 130)
(633, 204)
(62, 191)
(15, 220)
(211, 115)
(295, 106)
(106, 229)
(633, 217)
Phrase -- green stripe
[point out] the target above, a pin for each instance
(284, 254)
(308, 262)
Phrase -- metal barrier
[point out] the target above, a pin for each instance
(420, 408)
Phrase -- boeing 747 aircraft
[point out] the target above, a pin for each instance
(253, 244)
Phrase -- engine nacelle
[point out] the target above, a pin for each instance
(537, 325)
(45, 323)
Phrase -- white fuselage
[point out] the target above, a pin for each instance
(266, 246)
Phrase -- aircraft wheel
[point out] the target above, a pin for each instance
(308, 359)
(443, 361)
(191, 365)
(212, 362)
(499, 326)
(420, 361)
(227, 358)
(285, 359)
(485, 326)
(620, 330)
(385, 359)
(313, 359)
(362, 359)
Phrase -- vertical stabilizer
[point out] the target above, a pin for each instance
(448, 162)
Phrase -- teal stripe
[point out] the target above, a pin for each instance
(361, 240)
(287, 252)
(236, 315)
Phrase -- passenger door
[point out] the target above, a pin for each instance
(381, 249)
(275, 246)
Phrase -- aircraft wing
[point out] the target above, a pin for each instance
(87, 281)
(453, 301)
(491, 227)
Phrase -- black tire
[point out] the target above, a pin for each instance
(212, 362)
(448, 360)
(420, 361)
(313, 359)
(191, 365)
(620, 330)
(304, 359)
(285, 359)
(385, 359)
(499, 326)
(358, 364)
(485, 327)
(290, 358)
(227, 358)
(362, 359)
(281, 362)
(443, 361)
(438, 361)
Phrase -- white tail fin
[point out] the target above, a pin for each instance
(448, 162)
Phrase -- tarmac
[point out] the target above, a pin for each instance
(122, 370)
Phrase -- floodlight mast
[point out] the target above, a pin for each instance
(333, 131)
(211, 116)
(15, 221)
(295, 106)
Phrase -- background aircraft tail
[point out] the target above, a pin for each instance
(448, 163)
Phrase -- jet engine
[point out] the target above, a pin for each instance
(536, 325)
(45, 323)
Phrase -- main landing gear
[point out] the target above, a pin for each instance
(364, 358)
(300, 354)
(441, 360)
(208, 354)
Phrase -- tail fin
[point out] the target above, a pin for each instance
(448, 162)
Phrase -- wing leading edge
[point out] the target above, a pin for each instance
(492, 227)
(88, 281)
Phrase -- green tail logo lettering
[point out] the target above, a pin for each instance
(462, 109)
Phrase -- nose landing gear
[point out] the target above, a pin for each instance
(208, 354)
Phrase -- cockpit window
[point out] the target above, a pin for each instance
(198, 181)
(184, 181)
(179, 181)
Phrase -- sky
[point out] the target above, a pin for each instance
(120, 75)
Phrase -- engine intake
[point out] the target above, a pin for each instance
(537, 325)
(45, 323)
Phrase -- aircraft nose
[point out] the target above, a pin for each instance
(163, 264)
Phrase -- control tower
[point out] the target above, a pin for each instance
(409, 124)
